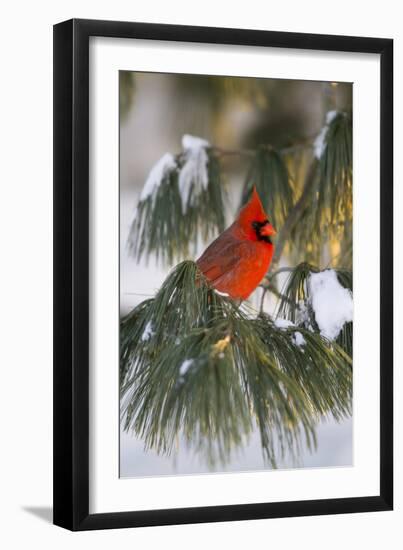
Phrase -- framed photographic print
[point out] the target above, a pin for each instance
(223, 316)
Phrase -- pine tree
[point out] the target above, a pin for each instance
(195, 364)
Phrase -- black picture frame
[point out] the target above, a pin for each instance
(71, 274)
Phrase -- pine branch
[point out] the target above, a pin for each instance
(268, 173)
(295, 214)
(327, 192)
(195, 364)
(170, 220)
(290, 149)
(267, 286)
(334, 191)
(296, 302)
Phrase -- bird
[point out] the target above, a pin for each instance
(236, 262)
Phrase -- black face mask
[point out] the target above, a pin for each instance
(257, 226)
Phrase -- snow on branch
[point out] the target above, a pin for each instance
(193, 176)
(320, 302)
(193, 171)
(320, 142)
(158, 173)
(332, 304)
(181, 200)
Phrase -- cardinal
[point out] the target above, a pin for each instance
(237, 261)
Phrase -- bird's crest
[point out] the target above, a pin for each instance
(253, 211)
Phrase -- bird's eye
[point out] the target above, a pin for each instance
(258, 225)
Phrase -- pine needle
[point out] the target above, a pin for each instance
(194, 364)
(295, 304)
(161, 225)
(268, 172)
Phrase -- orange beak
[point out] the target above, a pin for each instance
(268, 230)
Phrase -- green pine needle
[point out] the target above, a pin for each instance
(295, 303)
(268, 172)
(327, 215)
(195, 365)
(161, 227)
(336, 165)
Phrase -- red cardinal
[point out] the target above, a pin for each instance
(236, 262)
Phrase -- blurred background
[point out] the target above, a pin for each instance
(235, 114)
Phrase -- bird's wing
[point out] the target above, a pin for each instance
(221, 257)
